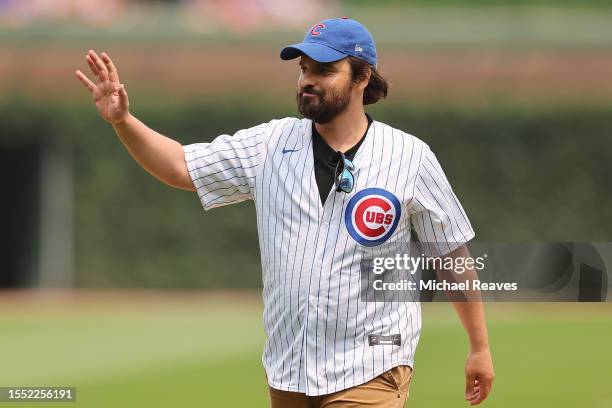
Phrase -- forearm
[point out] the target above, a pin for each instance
(468, 303)
(159, 155)
(471, 314)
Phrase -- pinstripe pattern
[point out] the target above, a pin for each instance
(315, 323)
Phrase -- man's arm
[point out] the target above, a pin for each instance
(161, 156)
(479, 374)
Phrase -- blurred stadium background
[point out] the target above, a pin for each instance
(120, 286)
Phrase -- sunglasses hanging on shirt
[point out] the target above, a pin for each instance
(344, 180)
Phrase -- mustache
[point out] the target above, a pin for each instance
(311, 90)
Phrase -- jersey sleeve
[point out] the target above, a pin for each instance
(224, 170)
(437, 217)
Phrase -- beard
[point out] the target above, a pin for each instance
(325, 106)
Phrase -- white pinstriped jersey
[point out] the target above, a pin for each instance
(317, 328)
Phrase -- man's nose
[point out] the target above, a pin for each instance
(306, 79)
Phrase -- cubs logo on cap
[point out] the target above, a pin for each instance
(316, 29)
(372, 215)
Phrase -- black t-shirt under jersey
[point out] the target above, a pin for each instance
(326, 158)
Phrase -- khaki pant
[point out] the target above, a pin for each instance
(388, 390)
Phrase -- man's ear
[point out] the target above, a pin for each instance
(363, 82)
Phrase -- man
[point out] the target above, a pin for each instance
(330, 191)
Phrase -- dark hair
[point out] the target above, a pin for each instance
(377, 86)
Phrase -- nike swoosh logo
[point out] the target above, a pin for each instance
(290, 150)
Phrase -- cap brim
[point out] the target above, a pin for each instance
(318, 52)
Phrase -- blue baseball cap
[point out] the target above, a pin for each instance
(334, 39)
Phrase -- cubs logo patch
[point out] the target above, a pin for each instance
(316, 29)
(372, 215)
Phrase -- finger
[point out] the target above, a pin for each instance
(475, 400)
(480, 396)
(113, 75)
(473, 395)
(123, 97)
(92, 66)
(103, 72)
(86, 81)
(469, 385)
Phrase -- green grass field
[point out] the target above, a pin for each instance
(185, 349)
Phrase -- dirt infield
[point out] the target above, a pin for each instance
(71, 301)
(214, 73)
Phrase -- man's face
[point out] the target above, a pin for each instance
(324, 90)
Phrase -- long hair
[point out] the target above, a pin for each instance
(377, 87)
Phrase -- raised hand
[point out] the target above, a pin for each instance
(108, 93)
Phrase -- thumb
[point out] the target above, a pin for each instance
(123, 96)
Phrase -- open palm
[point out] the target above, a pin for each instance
(109, 94)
